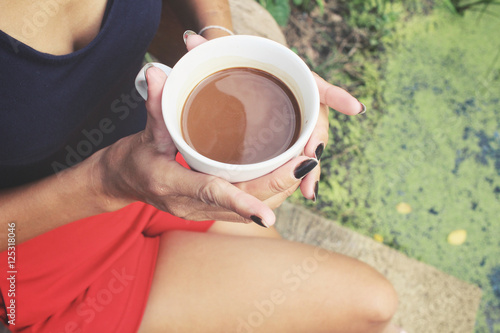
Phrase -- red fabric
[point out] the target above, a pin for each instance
(92, 275)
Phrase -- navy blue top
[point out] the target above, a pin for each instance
(57, 110)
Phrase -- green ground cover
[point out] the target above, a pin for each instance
(437, 148)
(425, 160)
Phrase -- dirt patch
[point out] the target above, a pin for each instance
(325, 39)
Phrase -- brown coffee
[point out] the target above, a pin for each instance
(241, 116)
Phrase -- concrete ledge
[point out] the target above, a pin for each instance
(430, 301)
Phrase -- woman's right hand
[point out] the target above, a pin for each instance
(143, 167)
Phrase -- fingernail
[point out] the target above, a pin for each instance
(304, 168)
(259, 221)
(316, 190)
(188, 33)
(363, 109)
(319, 151)
(148, 66)
(153, 73)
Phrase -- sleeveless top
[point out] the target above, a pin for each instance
(57, 110)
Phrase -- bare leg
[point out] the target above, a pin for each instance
(216, 282)
(252, 230)
(241, 229)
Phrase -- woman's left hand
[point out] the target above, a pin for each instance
(330, 96)
(339, 100)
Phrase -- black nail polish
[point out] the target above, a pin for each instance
(258, 220)
(316, 190)
(304, 168)
(363, 109)
(319, 151)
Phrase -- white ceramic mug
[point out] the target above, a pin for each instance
(229, 52)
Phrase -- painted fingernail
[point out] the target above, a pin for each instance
(304, 168)
(316, 190)
(363, 109)
(146, 67)
(153, 73)
(186, 34)
(319, 151)
(259, 221)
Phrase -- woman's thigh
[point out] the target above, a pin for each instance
(209, 282)
(242, 229)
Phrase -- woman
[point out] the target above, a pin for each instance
(89, 178)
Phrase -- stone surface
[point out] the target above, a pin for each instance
(250, 18)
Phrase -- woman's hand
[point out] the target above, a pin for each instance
(330, 96)
(143, 167)
(339, 100)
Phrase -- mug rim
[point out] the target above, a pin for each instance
(285, 156)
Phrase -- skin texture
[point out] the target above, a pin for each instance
(234, 265)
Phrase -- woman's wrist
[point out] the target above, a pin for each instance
(209, 14)
(101, 172)
(214, 31)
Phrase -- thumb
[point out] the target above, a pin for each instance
(192, 40)
(281, 180)
(156, 130)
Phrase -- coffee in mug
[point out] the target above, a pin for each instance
(241, 115)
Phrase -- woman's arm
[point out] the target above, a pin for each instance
(51, 202)
(202, 13)
(179, 16)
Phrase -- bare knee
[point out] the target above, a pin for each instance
(368, 302)
(381, 301)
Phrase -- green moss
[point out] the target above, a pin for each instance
(437, 147)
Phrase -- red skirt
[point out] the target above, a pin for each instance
(92, 275)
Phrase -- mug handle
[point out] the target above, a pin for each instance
(140, 81)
